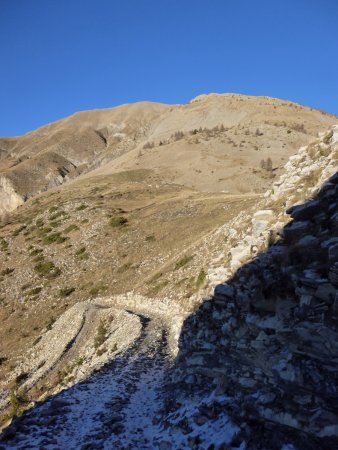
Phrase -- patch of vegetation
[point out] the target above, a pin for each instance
(50, 322)
(79, 361)
(95, 290)
(39, 223)
(21, 378)
(124, 267)
(47, 269)
(150, 238)
(54, 238)
(201, 277)
(18, 400)
(81, 253)
(18, 230)
(53, 209)
(3, 244)
(65, 292)
(34, 291)
(118, 222)
(55, 224)
(7, 271)
(35, 251)
(183, 261)
(81, 207)
(71, 228)
(101, 335)
(101, 351)
(57, 215)
(3, 359)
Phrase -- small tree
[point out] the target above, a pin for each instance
(269, 165)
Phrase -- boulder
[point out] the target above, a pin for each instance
(224, 290)
(295, 230)
(333, 254)
(306, 210)
(326, 292)
(239, 255)
(260, 221)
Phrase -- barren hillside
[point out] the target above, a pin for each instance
(215, 143)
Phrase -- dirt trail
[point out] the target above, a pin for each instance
(115, 408)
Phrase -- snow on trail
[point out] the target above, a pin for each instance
(120, 407)
(112, 409)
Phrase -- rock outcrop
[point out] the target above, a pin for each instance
(267, 338)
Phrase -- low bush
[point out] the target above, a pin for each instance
(66, 292)
(201, 278)
(34, 291)
(183, 261)
(54, 238)
(71, 228)
(7, 271)
(118, 222)
(47, 269)
(101, 335)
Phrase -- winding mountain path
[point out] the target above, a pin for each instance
(116, 407)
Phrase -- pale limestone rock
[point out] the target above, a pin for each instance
(261, 220)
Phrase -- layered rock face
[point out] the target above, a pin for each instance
(268, 337)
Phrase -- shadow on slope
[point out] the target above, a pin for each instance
(106, 407)
(268, 339)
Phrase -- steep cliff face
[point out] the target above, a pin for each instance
(266, 341)
(9, 199)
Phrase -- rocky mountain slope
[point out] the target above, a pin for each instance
(200, 145)
(102, 278)
(267, 338)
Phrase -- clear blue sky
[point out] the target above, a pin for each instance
(62, 56)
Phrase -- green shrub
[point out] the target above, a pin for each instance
(96, 289)
(34, 291)
(183, 262)
(57, 215)
(47, 269)
(71, 228)
(7, 271)
(39, 223)
(81, 253)
(65, 292)
(35, 251)
(79, 361)
(100, 351)
(118, 222)
(81, 207)
(54, 238)
(101, 335)
(18, 399)
(50, 322)
(201, 278)
(55, 223)
(3, 244)
(150, 238)
(18, 230)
